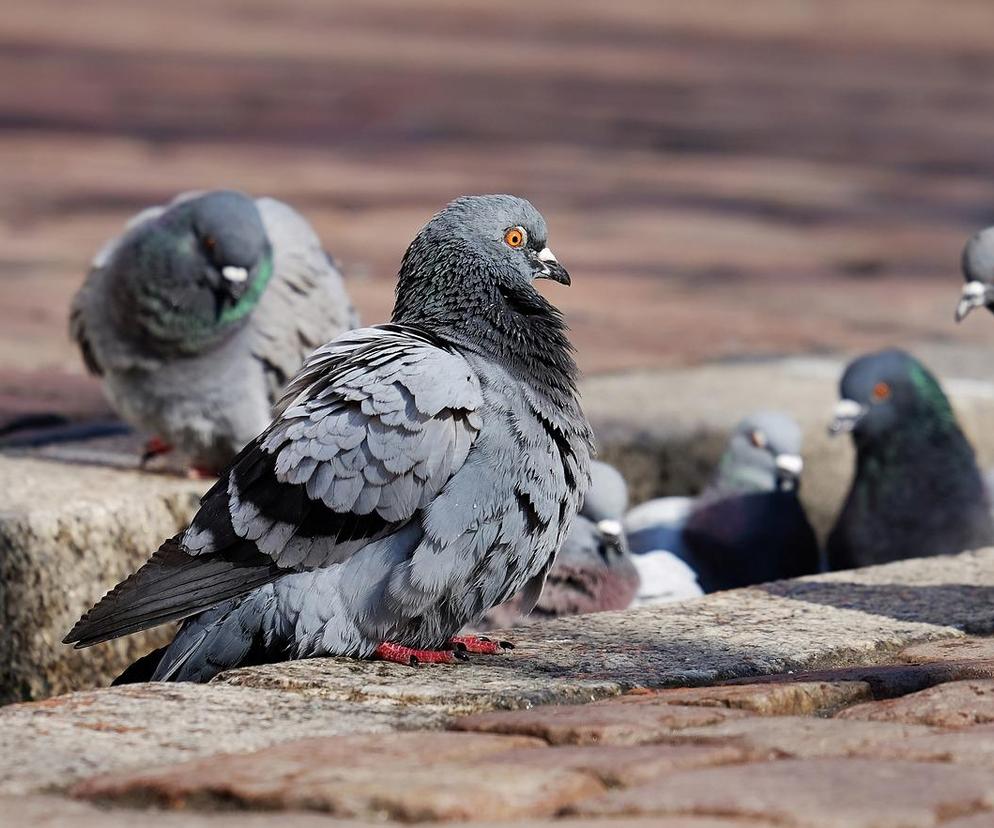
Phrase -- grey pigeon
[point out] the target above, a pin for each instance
(916, 490)
(198, 314)
(417, 474)
(593, 571)
(748, 526)
(978, 271)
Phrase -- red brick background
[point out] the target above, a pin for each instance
(722, 180)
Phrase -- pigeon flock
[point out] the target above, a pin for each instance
(397, 491)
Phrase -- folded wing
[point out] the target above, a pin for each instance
(368, 433)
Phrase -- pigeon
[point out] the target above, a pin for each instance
(748, 526)
(198, 314)
(916, 490)
(417, 473)
(978, 270)
(594, 571)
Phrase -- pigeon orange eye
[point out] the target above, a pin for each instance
(881, 391)
(209, 242)
(515, 237)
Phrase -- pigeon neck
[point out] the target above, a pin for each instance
(515, 327)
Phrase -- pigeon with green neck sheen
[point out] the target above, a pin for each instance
(748, 526)
(916, 490)
(416, 474)
(197, 315)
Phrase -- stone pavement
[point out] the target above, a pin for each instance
(851, 700)
(76, 517)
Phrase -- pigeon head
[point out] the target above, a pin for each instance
(888, 392)
(978, 271)
(193, 272)
(607, 498)
(763, 455)
(469, 276)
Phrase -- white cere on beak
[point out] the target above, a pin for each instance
(545, 255)
(974, 290)
(234, 274)
(846, 414)
(792, 464)
(612, 528)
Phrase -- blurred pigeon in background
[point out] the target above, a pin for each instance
(198, 314)
(748, 526)
(978, 271)
(417, 474)
(916, 490)
(594, 571)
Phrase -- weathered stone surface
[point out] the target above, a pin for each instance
(67, 535)
(884, 680)
(770, 699)
(53, 743)
(625, 766)
(955, 704)
(60, 812)
(969, 746)
(608, 723)
(825, 621)
(819, 793)
(803, 737)
(407, 777)
(972, 650)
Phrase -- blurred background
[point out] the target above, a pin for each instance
(723, 180)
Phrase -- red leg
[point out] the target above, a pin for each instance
(387, 651)
(479, 644)
(154, 447)
(200, 473)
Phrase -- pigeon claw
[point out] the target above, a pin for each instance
(398, 654)
(478, 644)
(155, 447)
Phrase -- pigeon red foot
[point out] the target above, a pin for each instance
(456, 649)
(155, 447)
(479, 644)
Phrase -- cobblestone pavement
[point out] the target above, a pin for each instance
(905, 744)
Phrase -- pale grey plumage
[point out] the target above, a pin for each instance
(417, 474)
(207, 391)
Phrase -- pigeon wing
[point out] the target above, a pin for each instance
(367, 435)
(304, 305)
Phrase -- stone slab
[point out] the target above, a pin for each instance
(818, 793)
(953, 704)
(610, 723)
(969, 650)
(826, 621)
(67, 535)
(410, 777)
(61, 812)
(53, 743)
(804, 737)
(771, 699)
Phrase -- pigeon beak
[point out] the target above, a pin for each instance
(233, 274)
(848, 413)
(975, 294)
(547, 267)
(789, 468)
(612, 536)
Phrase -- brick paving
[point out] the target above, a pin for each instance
(801, 180)
(838, 752)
